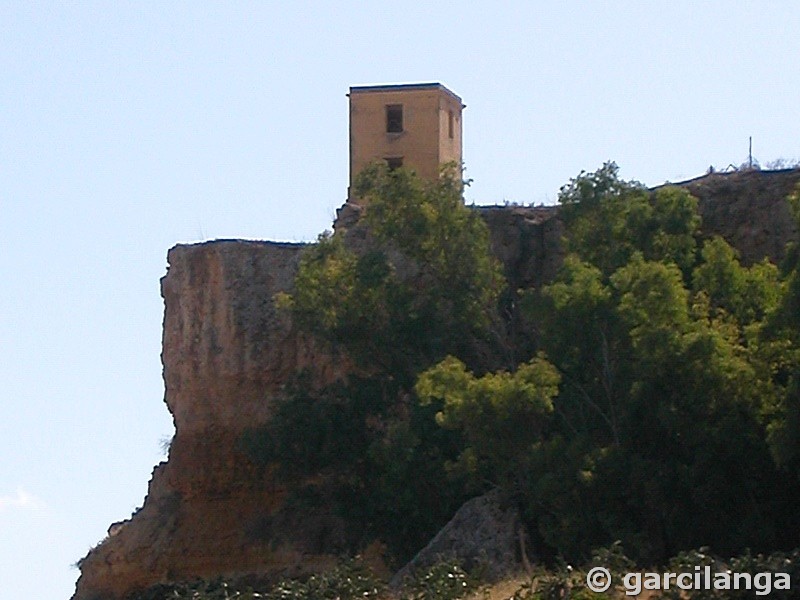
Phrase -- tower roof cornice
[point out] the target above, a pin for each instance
(402, 87)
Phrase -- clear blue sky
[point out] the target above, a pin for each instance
(126, 127)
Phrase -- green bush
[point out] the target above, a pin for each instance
(446, 580)
(347, 581)
(199, 590)
(777, 562)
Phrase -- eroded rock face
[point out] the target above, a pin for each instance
(749, 210)
(227, 351)
(527, 241)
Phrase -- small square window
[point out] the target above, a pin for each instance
(394, 118)
(394, 162)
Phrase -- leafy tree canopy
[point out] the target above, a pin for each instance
(500, 414)
(409, 284)
(659, 405)
(424, 285)
(609, 219)
(781, 342)
(666, 383)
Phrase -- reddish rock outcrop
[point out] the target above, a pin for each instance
(226, 352)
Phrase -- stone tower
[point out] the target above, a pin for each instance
(414, 125)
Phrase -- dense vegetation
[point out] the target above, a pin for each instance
(658, 403)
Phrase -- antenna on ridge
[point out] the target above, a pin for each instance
(750, 154)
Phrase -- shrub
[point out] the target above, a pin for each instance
(347, 581)
(446, 580)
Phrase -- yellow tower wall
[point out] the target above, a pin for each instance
(423, 144)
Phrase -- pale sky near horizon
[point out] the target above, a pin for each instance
(127, 127)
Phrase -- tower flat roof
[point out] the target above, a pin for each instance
(401, 87)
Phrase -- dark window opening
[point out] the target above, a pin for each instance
(394, 162)
(394, 118)
(450, 124)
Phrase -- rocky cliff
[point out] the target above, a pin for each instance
(226, 351)
(748, 209)
(212, 512)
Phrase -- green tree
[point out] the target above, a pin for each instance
(608, 220)
(668, 396)
(422, 285)
(781, 342)
(748, 294)
(412, 282)
(501, 415)
(663, 384)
